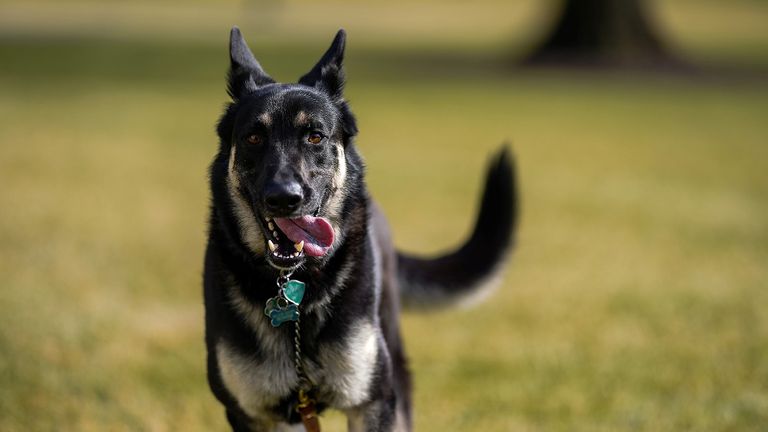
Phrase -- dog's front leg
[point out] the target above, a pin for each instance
(241, 423)
(375, 416)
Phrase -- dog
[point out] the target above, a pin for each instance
(290, 206)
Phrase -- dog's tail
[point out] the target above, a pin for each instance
(470, 271)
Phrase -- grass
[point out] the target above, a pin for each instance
(634, 302)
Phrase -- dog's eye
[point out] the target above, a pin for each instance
(254, 139)
(314, 138)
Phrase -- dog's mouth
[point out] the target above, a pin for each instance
(290, 240)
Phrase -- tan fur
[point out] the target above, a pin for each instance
(302, 119)
(250, 229)
(339, 193)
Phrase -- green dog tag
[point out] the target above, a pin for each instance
(293, 291)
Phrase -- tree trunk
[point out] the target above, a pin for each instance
(602, 33)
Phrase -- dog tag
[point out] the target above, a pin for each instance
(293, 291)
(280, 316)
(275, 303)
(284, 307)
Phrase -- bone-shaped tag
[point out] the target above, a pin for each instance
(285, 306)
(279, 316)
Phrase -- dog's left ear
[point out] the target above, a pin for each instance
(328, 73)
(328, 76)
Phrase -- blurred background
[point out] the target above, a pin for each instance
(636, 299)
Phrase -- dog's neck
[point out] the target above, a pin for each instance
(257, 278)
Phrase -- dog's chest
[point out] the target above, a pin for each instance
(341, 370)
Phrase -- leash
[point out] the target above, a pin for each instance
(285, 307)
(306, 406)
(282, 308)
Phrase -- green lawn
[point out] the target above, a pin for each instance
(636, 299)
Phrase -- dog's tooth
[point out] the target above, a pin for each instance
(274, 233)
(299, 246)
(271, 226)
(272, 246)
(275, 253)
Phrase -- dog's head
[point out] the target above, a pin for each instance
(285, 148)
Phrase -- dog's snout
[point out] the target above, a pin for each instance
(283, 197)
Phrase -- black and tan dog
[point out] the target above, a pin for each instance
(289, 199)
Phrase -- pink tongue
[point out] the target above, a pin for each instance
(316, 232)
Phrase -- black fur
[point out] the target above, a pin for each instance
(354, 291)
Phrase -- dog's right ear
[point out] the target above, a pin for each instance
(245, 72)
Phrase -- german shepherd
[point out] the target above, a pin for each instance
(289, 198)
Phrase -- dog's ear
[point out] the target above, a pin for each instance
(245, 72)
(328, 73)
(328, 76)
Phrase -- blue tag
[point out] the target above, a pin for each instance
(293, 291)
(284, 307)
(274, 304)
(279, 316)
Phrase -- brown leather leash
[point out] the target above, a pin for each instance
(308, 412)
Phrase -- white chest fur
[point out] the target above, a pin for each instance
(255, 384)
(342, 372)
(345, 368)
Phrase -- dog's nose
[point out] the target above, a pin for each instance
(283, 197)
